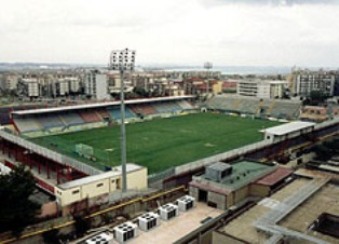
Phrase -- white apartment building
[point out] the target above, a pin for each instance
(62, 87)
(305, 82)
(261, 88)
(9, 82)
(96, 85)
(33, 86)
(74, 84)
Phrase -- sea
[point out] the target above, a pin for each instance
(240, 70)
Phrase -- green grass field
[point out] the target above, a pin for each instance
(163, 143)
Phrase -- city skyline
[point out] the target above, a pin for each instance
(255, 33)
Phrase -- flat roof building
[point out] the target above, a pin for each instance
(261, 88)
(296, 213)
(288, 130)
(231, 185)
(101, 184)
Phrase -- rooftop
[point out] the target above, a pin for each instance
(288, 128)
(276, 176)
(116, 171)
(220, 166)
(299, 219)
(171, 231)
(243, 173)
(245, 221)
(325, 200)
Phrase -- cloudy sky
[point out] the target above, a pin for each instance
(226, 32)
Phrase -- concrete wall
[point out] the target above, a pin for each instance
(259, 190)
(114, 184)
(230, 199)
(95, 189)
(136, 180)
(194, 192)
(218, 238)
(218, 199)
(305, 158)
(65, 197)
(241, 194)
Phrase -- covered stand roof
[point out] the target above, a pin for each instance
(97, 105)
(288, 128)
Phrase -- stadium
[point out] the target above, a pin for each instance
(170, 139)
(160, 143)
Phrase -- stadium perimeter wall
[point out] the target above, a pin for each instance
(45, 152)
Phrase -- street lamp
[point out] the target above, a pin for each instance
(207, 66)
(122, 61)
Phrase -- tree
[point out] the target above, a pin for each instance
(51, 236)
(81, 225)
(323, 153)
(140, 91)
(16, 209)
(317, 97)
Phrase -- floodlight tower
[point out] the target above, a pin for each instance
(207, 66)
(122, 61)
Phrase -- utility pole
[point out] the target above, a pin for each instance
(207, 66)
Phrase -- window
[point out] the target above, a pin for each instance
(75, 192)
(100, 184)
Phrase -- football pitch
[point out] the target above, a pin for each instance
(162, 143)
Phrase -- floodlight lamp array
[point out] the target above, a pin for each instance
(122, 60)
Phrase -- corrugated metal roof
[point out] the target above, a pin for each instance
(288, 128)
(274, 177)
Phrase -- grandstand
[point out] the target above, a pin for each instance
(5, 118)
(115, 113)
(69, 119)
(143, 109)
(103, 114)
(40, 122)
(264, 108)
(89, 116)
(248, 106)
(286, 109)
(28, 124)
(50, 121)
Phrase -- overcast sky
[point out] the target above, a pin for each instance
(226, 32)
